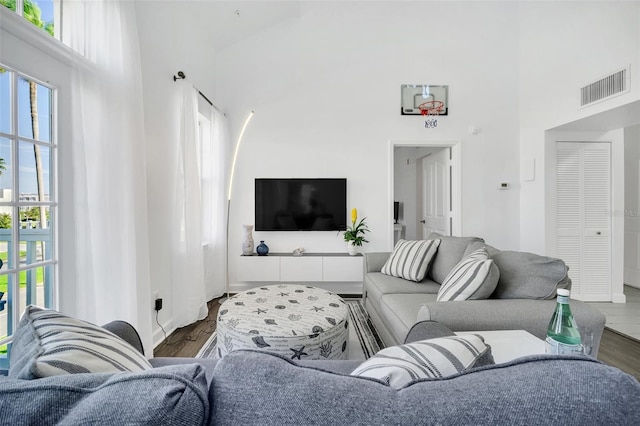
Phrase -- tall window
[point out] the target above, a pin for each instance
(44, 14)
(27, 198)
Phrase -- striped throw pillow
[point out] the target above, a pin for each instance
(467, 277)
(48, 343)
(411, 259)
(397, 366)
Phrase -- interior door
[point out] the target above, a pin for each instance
(583, 216)
(434, 210)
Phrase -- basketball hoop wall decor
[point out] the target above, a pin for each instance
(427, 100)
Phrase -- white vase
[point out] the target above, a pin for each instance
(247, 240)
(352, 249)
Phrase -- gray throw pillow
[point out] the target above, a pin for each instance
(172, 395)
(450, 252)
(529, 276)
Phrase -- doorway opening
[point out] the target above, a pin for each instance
(425, 189)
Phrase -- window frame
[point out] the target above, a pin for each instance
(35, 53)
(57, 16)
(15, 271)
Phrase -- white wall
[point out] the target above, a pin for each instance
(326, 91)
(324, 79)
(564, 46)
(168, 43)
(632, 206)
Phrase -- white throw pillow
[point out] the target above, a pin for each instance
(468, 278)
(48, 343)
(410, 260)
(398, 366)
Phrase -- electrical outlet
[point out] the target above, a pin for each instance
(155, 296)
(158, 304)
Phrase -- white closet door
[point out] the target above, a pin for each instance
(583, 216)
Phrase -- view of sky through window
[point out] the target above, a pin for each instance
(46, 9)
(34, 9)
(26, 165)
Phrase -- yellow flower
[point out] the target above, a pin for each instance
(355, 233)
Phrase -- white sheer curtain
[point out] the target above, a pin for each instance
(109, 167)
(187, 260)
(215, 152)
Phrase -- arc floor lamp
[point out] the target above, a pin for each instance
(231, 174)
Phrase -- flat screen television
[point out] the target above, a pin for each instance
(300, 204)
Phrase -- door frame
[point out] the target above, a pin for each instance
(616, 139)
(455, 180)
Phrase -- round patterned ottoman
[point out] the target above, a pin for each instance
(297, 321)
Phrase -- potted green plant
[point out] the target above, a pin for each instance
(354, 235)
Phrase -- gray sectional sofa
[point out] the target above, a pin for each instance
(248, 387)
(524, 297)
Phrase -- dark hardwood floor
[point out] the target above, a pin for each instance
(620, 351)
(187, 341)
(616, 349)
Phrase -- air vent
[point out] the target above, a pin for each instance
(611, 85)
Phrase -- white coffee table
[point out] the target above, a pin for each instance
(507, 345)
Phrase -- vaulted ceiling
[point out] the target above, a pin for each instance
(215, 24)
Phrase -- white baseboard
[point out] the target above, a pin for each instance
(618, 298)
(158, 335)
(632, 277)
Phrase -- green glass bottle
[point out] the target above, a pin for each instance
(563, 337)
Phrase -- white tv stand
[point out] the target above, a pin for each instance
(338, 272)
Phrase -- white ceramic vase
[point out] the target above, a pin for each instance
(247, 240)
(352, 249)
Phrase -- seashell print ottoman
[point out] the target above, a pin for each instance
(296, 321)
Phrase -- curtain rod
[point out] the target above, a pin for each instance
(182, 76)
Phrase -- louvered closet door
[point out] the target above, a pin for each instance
(583, 200)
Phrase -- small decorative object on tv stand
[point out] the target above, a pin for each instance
(299, 251)
(262, 249)
(247, 240)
